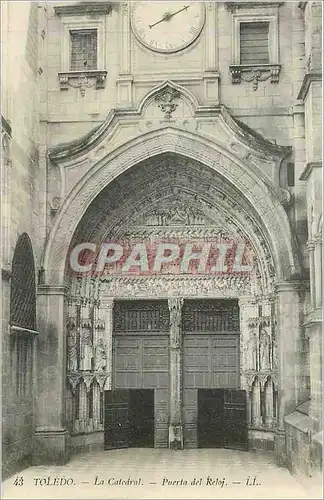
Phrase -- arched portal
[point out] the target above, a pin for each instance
(174, 185)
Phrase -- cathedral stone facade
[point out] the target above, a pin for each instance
(158, 123)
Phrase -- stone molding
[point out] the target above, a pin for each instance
(52, 290)
(234, 6)
(309, 78)
(83, 8)
(255, 73)
(310, 166)
(68, 151)
(82, 80)
(185, 143)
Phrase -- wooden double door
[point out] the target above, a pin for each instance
(222, 419)
(129, 418)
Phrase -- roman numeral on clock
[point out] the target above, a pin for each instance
(193, 30)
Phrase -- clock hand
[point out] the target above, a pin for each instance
(168, 16)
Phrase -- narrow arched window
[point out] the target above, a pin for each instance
(23, 315)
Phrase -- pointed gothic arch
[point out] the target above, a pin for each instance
(263, 200)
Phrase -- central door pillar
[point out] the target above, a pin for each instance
(175, 345)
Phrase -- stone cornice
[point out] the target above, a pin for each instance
(52, 290)
(248, 136)
(308, 79)
(309, 169)
(232, 6)
(252, 138)
(24, 331)
(289, 286)
(314, 318)
(83, 8)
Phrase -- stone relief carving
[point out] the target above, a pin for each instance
(86, 350)
(174, 215)
(166, 99)
(251, 349)
(175, 307)
(220, 286)
(100, 351)
(265, 350)
(72, 351)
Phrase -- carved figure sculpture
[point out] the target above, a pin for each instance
(175, 306)
(100, 356)
(265, 344)
(252, 351)
(72, 351)
(86, 349)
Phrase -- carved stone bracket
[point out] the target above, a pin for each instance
(255, 74)
(166, 98)
(88, 379)
(74, 379)
(101, 379)
(83, 80)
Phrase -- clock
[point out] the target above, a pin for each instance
(167, 26)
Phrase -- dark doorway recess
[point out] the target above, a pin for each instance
(129, 418)
(222, 419)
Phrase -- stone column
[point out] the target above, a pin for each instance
(211, 75)
(106, 312)
(175, 422)
(288, 335)
(318, 261)
(256, 404)
(50, 444)
(311, 250)
(268, 395)
(125, 79)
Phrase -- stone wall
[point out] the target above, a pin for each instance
(305, 429)
(21, 206)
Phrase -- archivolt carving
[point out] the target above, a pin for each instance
(274, 220)
(189, 208)
(190, 286)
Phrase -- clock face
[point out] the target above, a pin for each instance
(167, 26)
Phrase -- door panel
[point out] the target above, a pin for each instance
(210, 418)
(235, 420)
(116, 428)
(142, 418)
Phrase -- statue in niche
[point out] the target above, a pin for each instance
(100, 356)
(86, 349)
(72, 351)
(265, 346)
(252, 351)
(175, 306)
